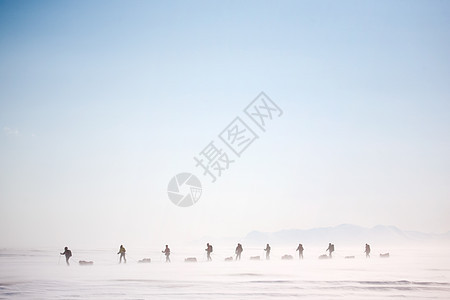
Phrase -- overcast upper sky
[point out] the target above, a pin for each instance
(103, 102)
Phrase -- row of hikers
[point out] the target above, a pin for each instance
(209, 249)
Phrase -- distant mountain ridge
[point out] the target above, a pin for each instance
(345, 233)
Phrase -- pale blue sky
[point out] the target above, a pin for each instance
(102, 102)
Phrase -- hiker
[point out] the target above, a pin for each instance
(167, 253)
(208, 250)
(122, 254)
(367, 251)
(330, 249)
(300, 251)
(68, 254)
(238, 251)
(267, 251)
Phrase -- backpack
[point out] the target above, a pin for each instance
(332, 247)
(210, 248)
(69, 253)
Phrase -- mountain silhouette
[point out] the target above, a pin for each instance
(345, 233)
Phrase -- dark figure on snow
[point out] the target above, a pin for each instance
(330, 249)
(267, 251)
(68, 254)
(300, 251)
(167, 253)
(238, 251)
(367, 251)
(122, 254)
(208, 250)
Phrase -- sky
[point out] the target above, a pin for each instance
(103, 102)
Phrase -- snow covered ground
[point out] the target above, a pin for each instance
(41, 274)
